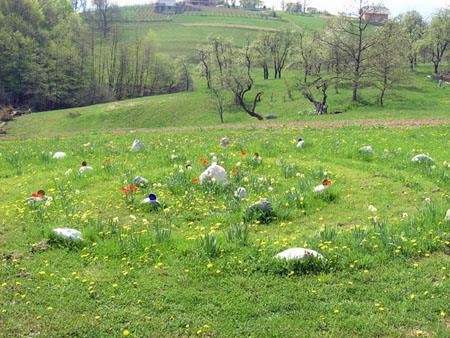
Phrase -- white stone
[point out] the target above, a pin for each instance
(421, 157)
(67, 233)
(447, 217)
(36, 199)
(173, 157)
(367, 149)
(263, 205)
(136, 145)
(294, 254)
(59, 155)
(214, 173)
(84, 169)
(138, 180)
(224, 142)
(154, 202)
(320, 188)
(240, 192)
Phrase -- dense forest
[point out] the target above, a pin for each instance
(51, 57)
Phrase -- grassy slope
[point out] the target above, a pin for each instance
(417, 97)
(165, 288)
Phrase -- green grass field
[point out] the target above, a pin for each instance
(417, 97)
(198, 266)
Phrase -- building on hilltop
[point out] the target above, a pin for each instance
(203, 2)
(165, 6)
(375, 13)
(312, 10)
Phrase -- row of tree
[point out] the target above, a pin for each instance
(348, 49)
(50, 58)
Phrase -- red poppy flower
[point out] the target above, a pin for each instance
(35, 195)
(195, 180)
(124, 189)
(72, 149)
(127, 192)
(108, 160)
(206, 162)
(202, 160)
(133, 187)
(234, 171)
(244, 153)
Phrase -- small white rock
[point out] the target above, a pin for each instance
(136, 145)
(224, 142)
(84, 169)
(298, 254)
(240, 192)
(173, 157)
(36, 199)
(367, 149)
(67, 233)
(421, 157)
(447, 217)
(59, 155)
(138, 180)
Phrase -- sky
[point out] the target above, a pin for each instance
(425, 7)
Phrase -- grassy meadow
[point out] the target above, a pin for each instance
(200, 265)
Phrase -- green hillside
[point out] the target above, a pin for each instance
(418, 97)
(175, 38)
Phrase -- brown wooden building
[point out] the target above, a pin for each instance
(375, 13)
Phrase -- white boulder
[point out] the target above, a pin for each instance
(84, 169)
(324, 186)
(224, 142)
(36, 199)
(67, 233)
(151, 199)
(367, 149)
(240, 192)
(59, 155)
(263, 205)
(422, 158)
(447, 216)
(136, 145)
(294, 254)
(214, 173)
(140, 181)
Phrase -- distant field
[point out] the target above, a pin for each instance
(176, 40)
(418, 97)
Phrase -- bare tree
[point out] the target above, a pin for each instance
(79, 4)
(262, 50)
(240, 80)
(321, 86)
(353, 38)
(281, 45)
(305, 5)
(106, 13)
(388, 59)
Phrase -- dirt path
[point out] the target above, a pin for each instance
(205, 24)
(416, 123)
